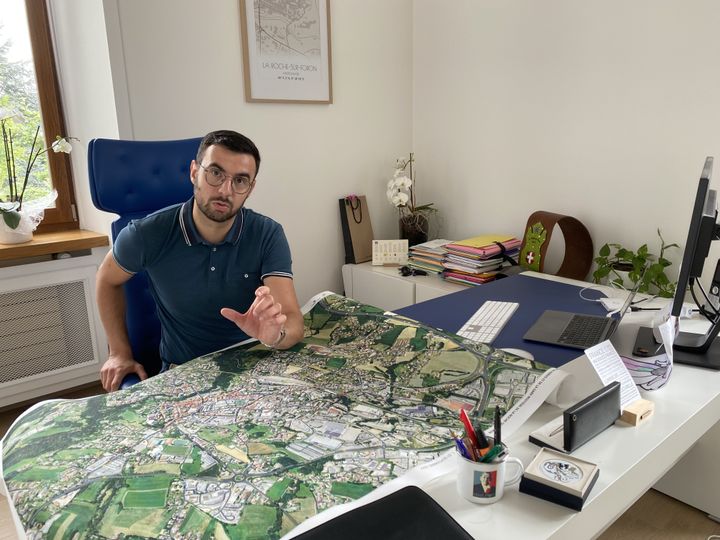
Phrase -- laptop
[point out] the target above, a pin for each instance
(576, 330)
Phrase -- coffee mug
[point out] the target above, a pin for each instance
(484, 483)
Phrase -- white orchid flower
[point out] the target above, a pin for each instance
(391, 184)
(62, 144)
(400, 199)
(403, 182)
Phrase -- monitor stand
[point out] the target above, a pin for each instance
(646, 346)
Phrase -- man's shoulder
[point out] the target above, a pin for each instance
(165, 217)
(156, 229)
(144, 241)
(256, 219)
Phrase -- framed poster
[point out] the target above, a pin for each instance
(286, 50)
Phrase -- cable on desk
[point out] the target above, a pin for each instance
(711, 316)
(592, 288)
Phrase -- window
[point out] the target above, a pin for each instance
(32, 97)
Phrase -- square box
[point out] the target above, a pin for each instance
(559, 478)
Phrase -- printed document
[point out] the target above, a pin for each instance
(610, 367)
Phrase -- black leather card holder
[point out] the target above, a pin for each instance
(587, 418)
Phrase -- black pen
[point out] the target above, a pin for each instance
(498, 439)
(634, 308)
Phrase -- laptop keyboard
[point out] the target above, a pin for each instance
(487, 322)
(583, 331)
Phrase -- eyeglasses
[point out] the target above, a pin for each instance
(216, 177)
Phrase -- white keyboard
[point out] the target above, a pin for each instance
(487, 322)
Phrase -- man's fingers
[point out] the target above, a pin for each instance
(116, 380)
(141, 372)
(232, 315)
(269, 312)
(107, 380)
(261, 303)
(261, 291)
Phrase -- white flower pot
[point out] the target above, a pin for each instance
(23, 233)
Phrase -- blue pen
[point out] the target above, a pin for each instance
(463, 451)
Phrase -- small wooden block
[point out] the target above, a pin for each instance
(637, 412)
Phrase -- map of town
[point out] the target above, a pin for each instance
(287, 29)
(249, 442)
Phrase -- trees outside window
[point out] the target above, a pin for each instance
(30, 97)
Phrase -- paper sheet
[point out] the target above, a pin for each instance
(610, 367)
(530, 402)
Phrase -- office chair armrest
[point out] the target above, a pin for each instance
(131, 379)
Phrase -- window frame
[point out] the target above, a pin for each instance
(63, 216)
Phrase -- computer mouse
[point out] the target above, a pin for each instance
(519, 352)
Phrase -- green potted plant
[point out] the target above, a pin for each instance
(617, 264)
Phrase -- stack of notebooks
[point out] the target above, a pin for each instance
(477, 260)
(428, 256)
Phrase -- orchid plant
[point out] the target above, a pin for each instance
(401, 190)
(11, 206)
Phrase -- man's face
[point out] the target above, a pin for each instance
(221, 203)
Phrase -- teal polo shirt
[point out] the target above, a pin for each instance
(191, 279)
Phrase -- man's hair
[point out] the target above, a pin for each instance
(233, 141)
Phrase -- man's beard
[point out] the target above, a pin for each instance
(218, 217)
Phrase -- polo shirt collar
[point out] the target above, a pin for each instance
(192, 236)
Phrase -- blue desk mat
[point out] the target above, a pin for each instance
(534, 295)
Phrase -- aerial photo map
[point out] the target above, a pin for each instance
(249, 442)
(285, 29)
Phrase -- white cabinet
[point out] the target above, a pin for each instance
(51, 338)
(384, 287)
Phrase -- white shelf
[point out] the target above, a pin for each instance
(384, 287)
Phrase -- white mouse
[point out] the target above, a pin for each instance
(519, 352)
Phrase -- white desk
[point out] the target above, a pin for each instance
(631, 460)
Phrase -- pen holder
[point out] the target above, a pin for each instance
(484, 483)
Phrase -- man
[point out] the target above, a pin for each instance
(219, 272)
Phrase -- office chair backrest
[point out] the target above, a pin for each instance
(133, 179)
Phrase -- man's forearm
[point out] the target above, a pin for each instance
(294, 331)
(111, 305)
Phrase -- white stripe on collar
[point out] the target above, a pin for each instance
(183, 227)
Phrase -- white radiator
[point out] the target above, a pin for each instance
(50, 334)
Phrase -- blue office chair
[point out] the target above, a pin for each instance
(133, 179)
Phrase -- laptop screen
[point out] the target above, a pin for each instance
(627, 303)
(630, 296)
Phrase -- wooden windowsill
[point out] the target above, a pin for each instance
(53, 242)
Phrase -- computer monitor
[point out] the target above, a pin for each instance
(698, 349)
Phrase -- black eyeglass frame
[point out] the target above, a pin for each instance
(211, 176)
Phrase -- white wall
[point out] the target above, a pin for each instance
(604, 110)
(177, 72)
(86, 85)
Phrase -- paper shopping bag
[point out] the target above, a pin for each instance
(356, 228)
